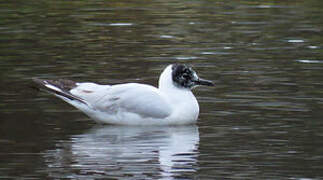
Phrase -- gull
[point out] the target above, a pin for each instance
(172, 103)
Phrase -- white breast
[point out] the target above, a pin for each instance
(185, 105)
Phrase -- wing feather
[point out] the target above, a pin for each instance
(143, 100)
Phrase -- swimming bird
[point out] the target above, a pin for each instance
(172, 103)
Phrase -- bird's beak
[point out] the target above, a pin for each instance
(204, 82)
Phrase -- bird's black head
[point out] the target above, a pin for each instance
(185, 77)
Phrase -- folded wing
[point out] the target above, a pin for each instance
(143, 100)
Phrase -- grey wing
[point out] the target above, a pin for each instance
(142, 100)
(90, 92)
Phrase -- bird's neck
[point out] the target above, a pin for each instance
(182, 99)
(167, 86)
(165, 82)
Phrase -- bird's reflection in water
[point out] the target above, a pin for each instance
(127, 152)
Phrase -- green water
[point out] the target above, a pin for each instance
(263, 120)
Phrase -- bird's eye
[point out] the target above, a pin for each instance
(186, 76)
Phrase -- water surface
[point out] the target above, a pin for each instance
(263, 120)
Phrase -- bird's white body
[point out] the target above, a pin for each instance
(136, 104)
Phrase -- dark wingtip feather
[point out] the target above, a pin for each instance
(38, 83)
(63, 86)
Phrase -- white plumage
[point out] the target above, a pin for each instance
(172, 103)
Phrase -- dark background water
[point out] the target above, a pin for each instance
(263, 120)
